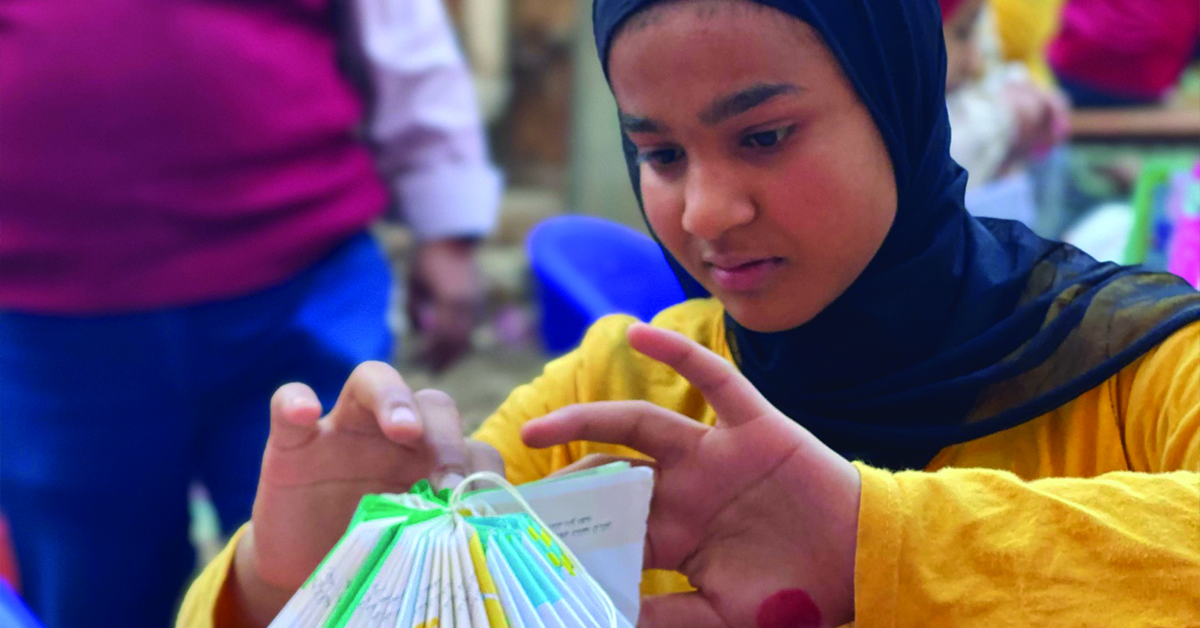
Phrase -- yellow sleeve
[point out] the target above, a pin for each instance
(986, 548)
(1159, 406)
(565, 381)
(201, 608)
(971, 547)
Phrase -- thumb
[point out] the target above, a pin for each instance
(295, 410)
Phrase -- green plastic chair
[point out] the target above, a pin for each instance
(1155, 174)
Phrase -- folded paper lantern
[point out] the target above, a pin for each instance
(565, 552)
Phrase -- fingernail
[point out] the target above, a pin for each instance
(403, 415)
(451, 480)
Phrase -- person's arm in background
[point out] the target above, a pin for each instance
(430, 145)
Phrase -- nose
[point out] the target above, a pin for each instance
(715, 202)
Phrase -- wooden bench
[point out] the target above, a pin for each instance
(1143, 125)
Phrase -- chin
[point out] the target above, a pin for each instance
(756, 317)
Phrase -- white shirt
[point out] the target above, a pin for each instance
(424, 121)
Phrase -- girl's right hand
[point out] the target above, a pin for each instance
(378, 438)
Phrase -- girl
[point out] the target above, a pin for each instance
(889, 412)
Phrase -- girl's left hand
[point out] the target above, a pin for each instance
(759, 515)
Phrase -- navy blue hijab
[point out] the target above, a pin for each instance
(959, 327)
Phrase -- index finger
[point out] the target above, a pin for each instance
(444, 437)
(375, 398)
(731, 395)
(665, 436)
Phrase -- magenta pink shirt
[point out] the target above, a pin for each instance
(161, 153)
(1134, 48)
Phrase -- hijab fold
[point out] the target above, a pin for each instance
(959, 327)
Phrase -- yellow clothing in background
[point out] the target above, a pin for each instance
(1026, 28)
(1086, 516)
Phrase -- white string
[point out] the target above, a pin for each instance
(455, 503)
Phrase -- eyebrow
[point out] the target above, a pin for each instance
(720, 110)
(638, 124)
(729, 106)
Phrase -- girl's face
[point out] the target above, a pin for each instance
(964, 60)
(761, 171)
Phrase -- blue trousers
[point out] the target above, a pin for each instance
(105, 421)
(1085, 96)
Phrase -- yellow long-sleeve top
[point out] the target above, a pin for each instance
(1086, 516)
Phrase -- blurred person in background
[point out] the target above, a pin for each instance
(1001, 118)
(1114, 53)
(1025, 29)
(186, 191)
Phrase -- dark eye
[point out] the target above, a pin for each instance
(661, 157)
(766, 139)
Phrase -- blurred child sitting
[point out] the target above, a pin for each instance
(999, 116)
(1002, 120)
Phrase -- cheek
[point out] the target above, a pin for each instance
(835, 204)
(823, 206)
(664, 211)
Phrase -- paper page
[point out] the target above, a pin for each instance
(319, 596)
(494, 572)
(516, 600)
(457, 587)
(401, 593)
(475, 612)
(421, 607)
(579, 596)
(602, 518)
(541, 597)
(437, 609)
(564, 601)
(487, 585)
(373, 607)
(413, 593)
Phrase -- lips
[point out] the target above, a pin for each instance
(742, 273)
